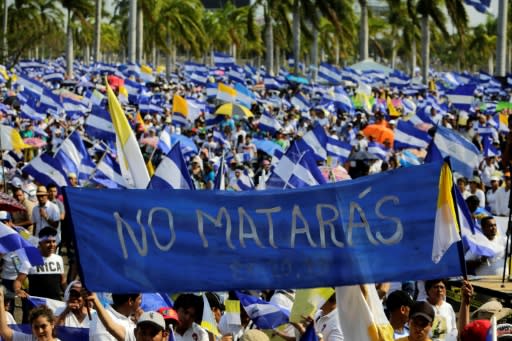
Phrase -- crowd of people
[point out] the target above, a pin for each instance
(417, 311)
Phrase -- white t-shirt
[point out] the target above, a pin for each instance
(329, 326)
(194, 333)
(71, 321)
(53, 214)
(98, 332)
(494, 265)
(444, 327)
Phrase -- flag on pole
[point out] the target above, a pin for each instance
(12, 241)
(130, 157)
(208, 321)
(308, 301)
(172, 172)
(265, 315)
(446, 228)
(10, 139)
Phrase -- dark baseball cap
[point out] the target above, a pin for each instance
(423, 309)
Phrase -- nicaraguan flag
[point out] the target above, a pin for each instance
(462, 96)
(46, 170)
(223, 60)
(12, 241)
(220, 178)
(172, 172)
(264, 314)
(329, 74)
(489, 149)
(300, 102)
(408, 136)
(464, 155)
(378, 150)
(338, 149)
(99, 124)
(269, 123)
(54, 305)
(315, 140)
(244, 96)
(295, 169)
(74, 157)
(108, 174)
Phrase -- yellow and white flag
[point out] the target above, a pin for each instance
(226, 93)
(446, 230)
(131, 162)
(232, 312)
(208, 321)
(361, 314)
(10, 139)
(308, 301)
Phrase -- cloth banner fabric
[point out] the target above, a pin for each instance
(372, 229)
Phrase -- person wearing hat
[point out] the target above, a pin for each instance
(491, 308)
(171, 318)
(421, 318)
(150, 325)
(45, 213)
(491, 194)
(74, 314)
(475, 188)
(23, 218)
(399, 304)
(73, 180)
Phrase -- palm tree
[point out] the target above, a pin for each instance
(430, 9)
(97, 31)
(76, 9)
(483, 42)
(363, 30)
(501, 47)
(132, 29)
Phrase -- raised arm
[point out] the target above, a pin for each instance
(116, 330)
(5, 330)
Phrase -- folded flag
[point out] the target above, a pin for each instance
(308, 301)
(362, 315)
(108, 173)
(265, 315)
(155, 301)
(208, 321)
(46, 170)
(446, 228)
(408, 136)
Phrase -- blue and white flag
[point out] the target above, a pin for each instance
(99, 124)
(220, 178)
(198, 78)
(269, 123)
(462, 96)
(398, 80)
(108, 174)
(11, 159)
(27, 254)
(408, 136)
(244, 96)
(489, 149)
(30, 84)
(236, 75)
(265, 315)
(30, 110)
(219, 138)
(341, 100)
(329, 74)
(408, 159)
(46, 170)
(295, 169)
(300, 102)
(164, 142)
(54, 305)
(314, 140)
(464, 155)
(271, 83)
(74, 158)
(155, 301)
(338, 149)
(223, 60)
(244, 182)
(379, 150)
(172, 172)
(473, 238)
(188, 146)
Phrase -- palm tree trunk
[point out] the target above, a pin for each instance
(393, 48)
(4, 32)
(314, 54)
(413, 57)
(277, 64)
(490, 64)
(97, 31)
(296, 34)
(501, 44)
(233, 51)
(140, 35)
(153, 53)
(269, 42)
(69, 48)
(87, 54)
(337, 52)
(132, 26)
(168, 62)
(425, 48)
(363, 31)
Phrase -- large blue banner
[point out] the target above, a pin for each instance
(373, 229)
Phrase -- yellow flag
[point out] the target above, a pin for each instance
(308, 301)
(391, 108)
(10, 139)
(131, 162)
